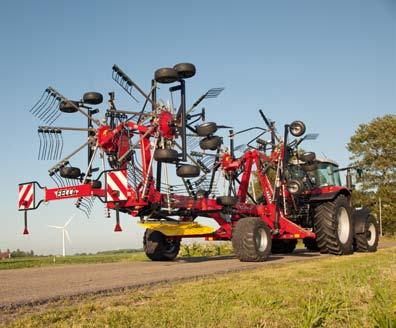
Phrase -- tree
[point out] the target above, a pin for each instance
(373, 149)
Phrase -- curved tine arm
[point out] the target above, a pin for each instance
(63, 98)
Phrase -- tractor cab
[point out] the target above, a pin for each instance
(326, 174)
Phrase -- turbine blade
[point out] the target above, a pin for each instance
(68, 221)
(57, 227)
(67, 236)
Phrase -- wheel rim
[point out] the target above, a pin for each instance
(371, 234)
(343, 225)
(261, 240)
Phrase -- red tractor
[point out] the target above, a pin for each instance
(297, 196)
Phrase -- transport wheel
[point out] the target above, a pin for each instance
(166, 75)
(311, 244)
(283, 246)
(204, 129)
(251, 240)
(227, 200)
(93, 98)
(308, 156)
(210, 143)
(368, 240)
(333, 226)
(70, 172)
(67, 107)
(188, 171)
(166, 155)
(185, 70)
(158, 248)
(297, 128)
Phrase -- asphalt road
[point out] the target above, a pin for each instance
(40, 285)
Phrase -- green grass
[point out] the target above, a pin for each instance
(195, 249)
(348, 291)
(41, 261)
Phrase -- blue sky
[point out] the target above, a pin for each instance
(331, 64)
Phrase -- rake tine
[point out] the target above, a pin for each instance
(41, 98)
(44, 152)
(42, 105)
(54, 111)
(39, 131)
(61, 145)
(47, 109)
(51, 144)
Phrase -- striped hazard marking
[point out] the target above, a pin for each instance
(26, 196)
(116, 186)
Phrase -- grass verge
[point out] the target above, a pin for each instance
(348, 291)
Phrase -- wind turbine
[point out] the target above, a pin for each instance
(64, 233)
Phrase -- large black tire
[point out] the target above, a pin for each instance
(70, 172)
(185, 70)
(93, 98)
(333, 226)
(166, 155)
(67, 106)
(188, 171)
(210, 143)
(205, 129)
(251, 240)
(166, 75)
(311, 244)
(158, 248)
(368, 240)
(283, 246)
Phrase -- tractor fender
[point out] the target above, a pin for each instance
(328, 196)
(359, 219)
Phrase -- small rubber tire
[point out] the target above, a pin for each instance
(205, 129)
(70, 172)
(311, 244)
(334, 227)
(166, 155)
(166, 75)
(185, 70)
(297, 128)
(67, 107)
(308, 156)
(251, 240)
(298, 186)
(227, 200)
(211, 143)
(93, 98)
(283, 246)
(158, 248)
(368, 240)
(188, 171)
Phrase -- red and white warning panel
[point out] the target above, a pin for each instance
(116, 186)
(26, 198)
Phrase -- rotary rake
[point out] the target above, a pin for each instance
(133, 157)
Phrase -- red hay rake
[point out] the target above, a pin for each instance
(136, 148)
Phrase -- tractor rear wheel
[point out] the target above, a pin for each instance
(368, 240)
(283, 246)
(333, 226)
(311, 244)
(158, 248)
(251, 240)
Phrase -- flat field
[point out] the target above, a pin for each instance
(348, 291)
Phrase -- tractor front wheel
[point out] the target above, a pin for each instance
(333, 226)
(368, 240)
(158, 247)
(251, 240)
